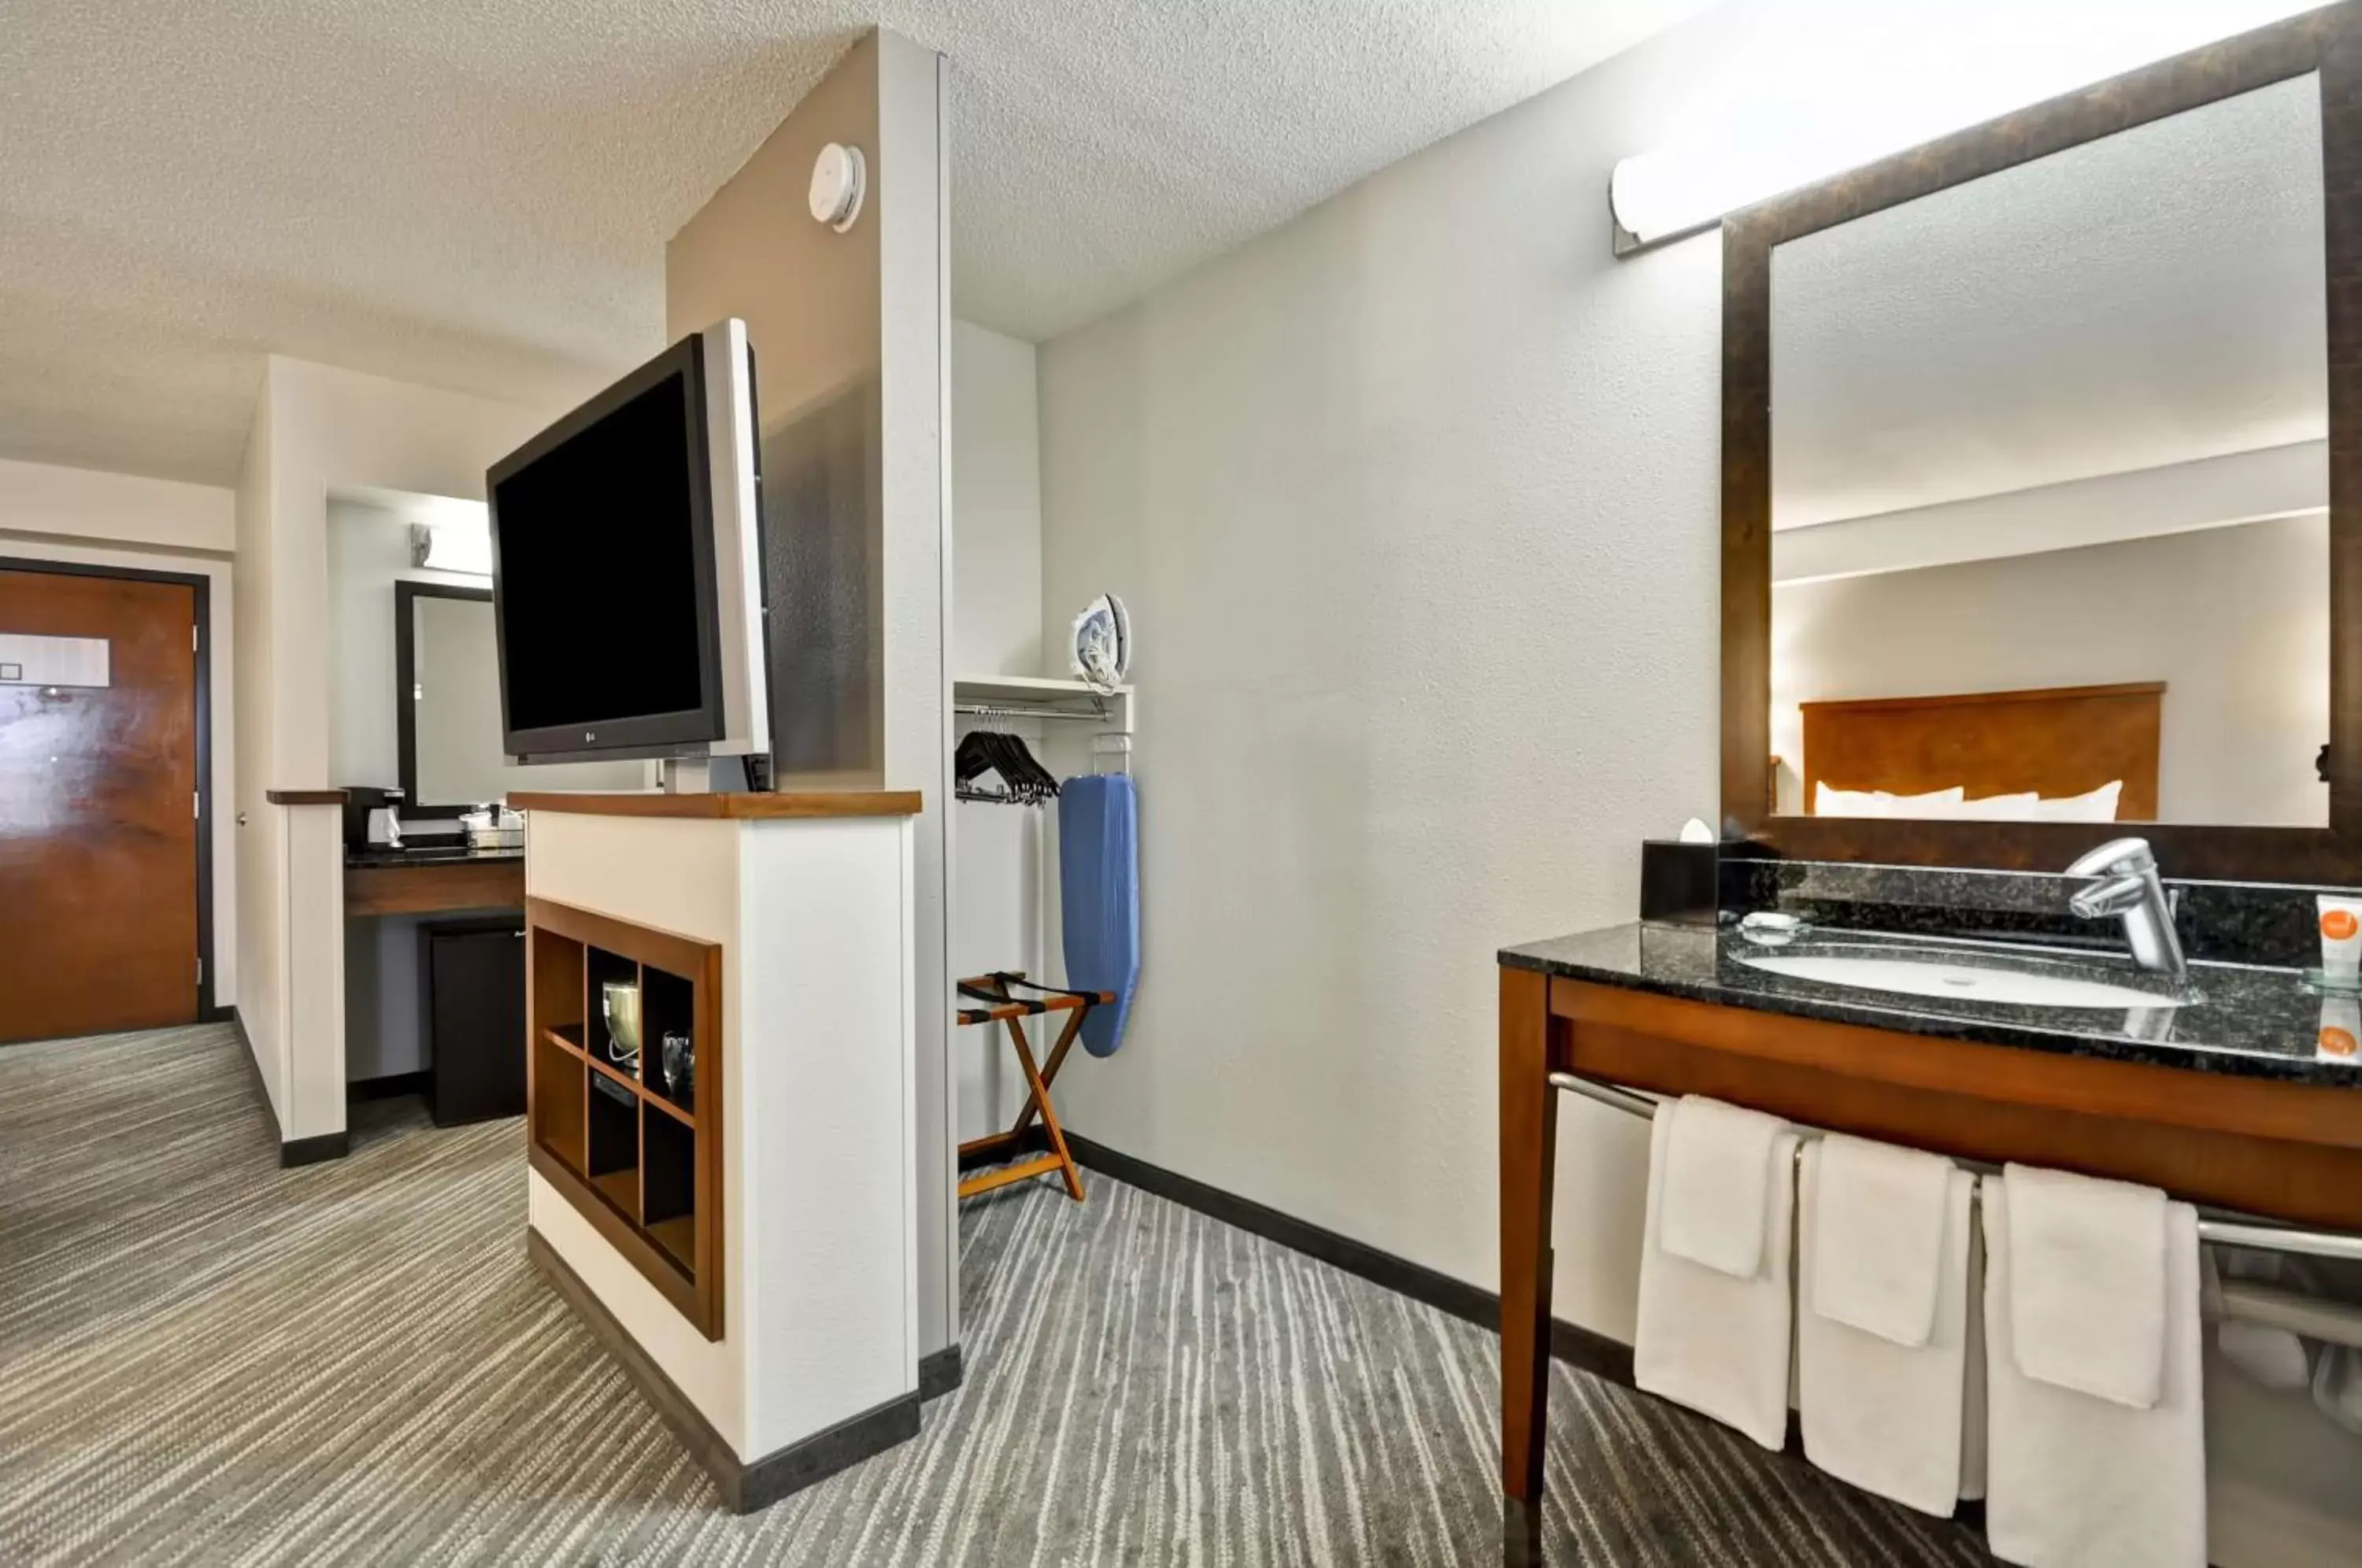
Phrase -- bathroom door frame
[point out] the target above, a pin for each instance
(200, 587)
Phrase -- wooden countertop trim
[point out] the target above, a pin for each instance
(305, 797)
(746, 806)
(2173, 1097)
(435, 887)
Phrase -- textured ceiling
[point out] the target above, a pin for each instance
(2151, 298)
(476, 193)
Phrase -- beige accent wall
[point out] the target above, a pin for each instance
(850, 335)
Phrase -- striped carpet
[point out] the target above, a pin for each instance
(206, 1359)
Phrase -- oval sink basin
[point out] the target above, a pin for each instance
(2007, 985)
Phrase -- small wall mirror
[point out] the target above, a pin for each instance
(447, 689)
(451, 680)
(2049, 484)
(414, 686)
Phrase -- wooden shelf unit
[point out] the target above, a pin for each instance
(641, 1164)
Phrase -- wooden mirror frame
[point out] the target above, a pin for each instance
(2328, 42)
(406, 595)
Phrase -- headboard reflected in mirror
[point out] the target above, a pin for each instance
(2069, 753)
(2030, 521)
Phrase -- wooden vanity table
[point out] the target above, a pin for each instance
(469, 977)
(1611, 1006)
(384, 883)
(2248, 1099)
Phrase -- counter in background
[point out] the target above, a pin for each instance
(2249, 1021)
(431, 881)
(432, 1002)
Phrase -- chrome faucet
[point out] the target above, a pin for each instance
(2128, 886)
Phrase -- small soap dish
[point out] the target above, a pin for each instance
(2322, 983)
(1773, 928)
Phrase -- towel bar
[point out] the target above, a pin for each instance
(2232, 1231)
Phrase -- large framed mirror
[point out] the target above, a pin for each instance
(2039, 504)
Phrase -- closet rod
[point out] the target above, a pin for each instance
(997, 711)
(2229, 1233)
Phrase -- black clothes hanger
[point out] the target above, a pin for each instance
(1024, 782)
(1020, 769)
(1038, 778)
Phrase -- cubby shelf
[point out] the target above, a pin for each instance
(639, 1160)
(654, 1095)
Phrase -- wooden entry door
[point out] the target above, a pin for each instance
(98, 795)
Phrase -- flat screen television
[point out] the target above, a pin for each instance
(627, 582)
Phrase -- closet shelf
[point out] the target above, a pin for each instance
(1042, 691)
(1044, 697)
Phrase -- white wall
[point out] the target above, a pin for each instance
(261, 865)
(84, 503)
(999, 902)
(2234, 621)
(88, 518)
(997, 851)
(317, 429)
(368, 552)
(1414, 502)
(996, 505)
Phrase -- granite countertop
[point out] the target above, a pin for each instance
(2253, 1021)
(437, 854)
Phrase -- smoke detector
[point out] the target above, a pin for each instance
(839, 181)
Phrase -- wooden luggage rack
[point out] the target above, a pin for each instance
(999, 1006)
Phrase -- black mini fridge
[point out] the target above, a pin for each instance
(471, 974)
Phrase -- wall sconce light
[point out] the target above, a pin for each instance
(1871, 79)
(452, 546)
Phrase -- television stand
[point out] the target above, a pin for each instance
(742, 1235)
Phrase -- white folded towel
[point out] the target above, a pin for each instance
(2078, 1482)
(1717, 1166)
(1886, 1417)
(1973, 1420)
(1713, 1341)
(2088, 1301)
(1882, 1237)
